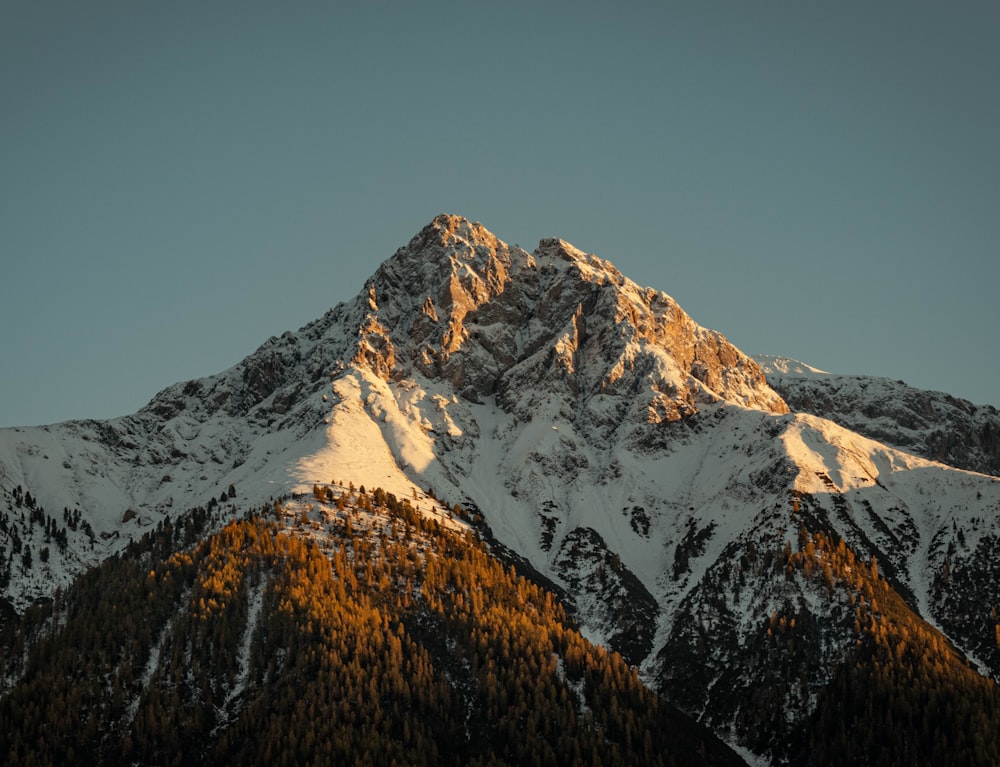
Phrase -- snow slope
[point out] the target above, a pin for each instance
(932, 424)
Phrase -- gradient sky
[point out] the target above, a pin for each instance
(179, 181)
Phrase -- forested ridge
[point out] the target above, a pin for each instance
(837, 670)
(344, 628)
(350, 627)
(904, 696)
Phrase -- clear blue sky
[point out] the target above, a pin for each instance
(179, 181)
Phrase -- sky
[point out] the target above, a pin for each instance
(180, 181)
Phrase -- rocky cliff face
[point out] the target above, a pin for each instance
(458, 304)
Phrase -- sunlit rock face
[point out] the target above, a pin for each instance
(493, 319)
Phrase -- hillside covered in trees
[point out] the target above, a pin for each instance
(337, 629)
(352, 627)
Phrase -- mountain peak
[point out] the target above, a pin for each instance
(453, 235)
(450, 248)
(458, 303)
(775, 365)
(559, 248)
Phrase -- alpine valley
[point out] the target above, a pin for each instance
(505, 508)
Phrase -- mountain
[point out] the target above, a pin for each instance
(760, 566)
(931, 424)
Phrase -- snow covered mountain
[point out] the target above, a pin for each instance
(931, 424)
(639, 462)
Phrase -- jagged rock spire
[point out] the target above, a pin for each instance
(459, 303)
